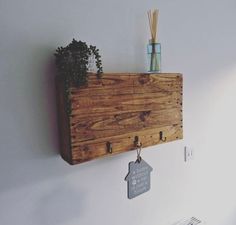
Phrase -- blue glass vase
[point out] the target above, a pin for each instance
(154, 57)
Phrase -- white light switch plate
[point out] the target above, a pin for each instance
(188, 153)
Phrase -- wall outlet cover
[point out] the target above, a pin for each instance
(188, 153)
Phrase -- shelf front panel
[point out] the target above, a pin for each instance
(119, 107)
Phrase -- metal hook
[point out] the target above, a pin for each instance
(161, 137)
(137, 143)
(109, 147)
(138, 146)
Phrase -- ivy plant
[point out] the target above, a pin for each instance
(72, 62)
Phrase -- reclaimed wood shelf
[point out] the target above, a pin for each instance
(108, 115)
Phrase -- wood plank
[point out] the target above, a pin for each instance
(115, 104)
(149, 83)
(91, 128)
(109, 83)
(122, 143)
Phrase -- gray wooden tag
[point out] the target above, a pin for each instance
(138, 178)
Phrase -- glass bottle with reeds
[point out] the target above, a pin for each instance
(153, 47)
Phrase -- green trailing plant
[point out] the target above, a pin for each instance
(72, 65)
(72, 62)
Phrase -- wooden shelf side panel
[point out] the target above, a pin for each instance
(63, 122)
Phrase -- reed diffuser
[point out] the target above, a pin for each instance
(154, 48)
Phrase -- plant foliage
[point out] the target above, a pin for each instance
(72, 62)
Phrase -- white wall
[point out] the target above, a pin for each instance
(37, 187)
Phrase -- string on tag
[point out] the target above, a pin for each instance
(139, 149)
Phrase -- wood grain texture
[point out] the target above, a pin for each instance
(63, 121)
(117, 108)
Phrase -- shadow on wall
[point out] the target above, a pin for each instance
(60, 205)
(32, 156)
(51, 108)
(45, 123)
(33, 153)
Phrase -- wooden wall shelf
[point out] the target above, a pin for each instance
(114, 110)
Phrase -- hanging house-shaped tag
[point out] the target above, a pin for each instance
(138, 178)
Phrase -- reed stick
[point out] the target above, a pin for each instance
(153, 23)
